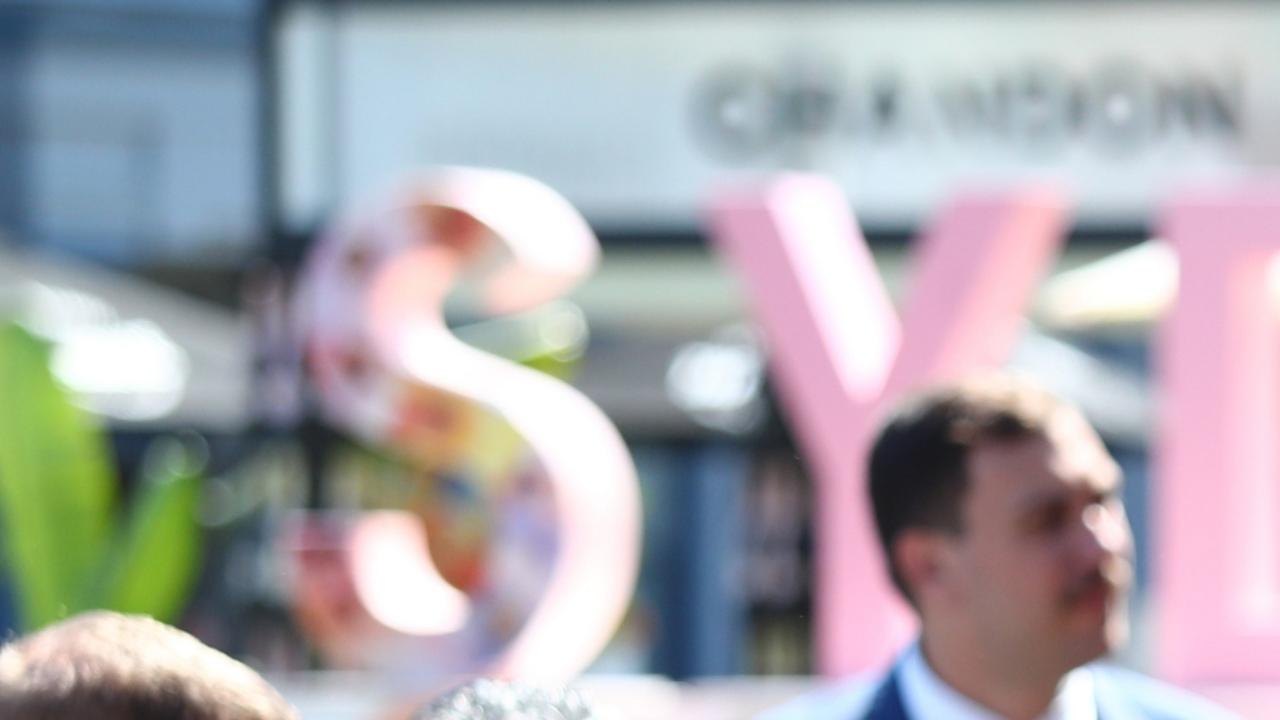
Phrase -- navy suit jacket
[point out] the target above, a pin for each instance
(1121, 695)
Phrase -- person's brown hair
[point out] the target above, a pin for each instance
(110, 666)
(917, 471)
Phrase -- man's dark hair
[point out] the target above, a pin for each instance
(109, 666)
(917, 471)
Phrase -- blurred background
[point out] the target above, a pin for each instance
(165, 165)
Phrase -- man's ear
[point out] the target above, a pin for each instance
(920, 556)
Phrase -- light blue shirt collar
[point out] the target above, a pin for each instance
(925, 695)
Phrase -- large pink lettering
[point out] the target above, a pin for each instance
(1217, 552)
(389, 371)
(838, 352)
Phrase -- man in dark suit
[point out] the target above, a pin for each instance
(999, 512)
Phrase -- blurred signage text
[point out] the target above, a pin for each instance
(634, 111)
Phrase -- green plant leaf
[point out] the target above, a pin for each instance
(56, 487)
(550, 364)
(155, 561)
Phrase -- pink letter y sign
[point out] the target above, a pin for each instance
(839, 351)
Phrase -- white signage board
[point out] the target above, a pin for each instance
(637, 110)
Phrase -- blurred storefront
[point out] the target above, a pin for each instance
(189, 142)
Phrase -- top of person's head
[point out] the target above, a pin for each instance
(110, 666)
(486, 699)
(918, 466)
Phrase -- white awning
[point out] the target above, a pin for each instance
(139, 354)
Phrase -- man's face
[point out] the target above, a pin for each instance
(1043, 566)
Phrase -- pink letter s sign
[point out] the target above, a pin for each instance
(371, 313)
(839, 352)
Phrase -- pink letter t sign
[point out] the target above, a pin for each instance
(839, 352)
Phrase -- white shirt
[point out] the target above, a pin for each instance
(926, 697)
